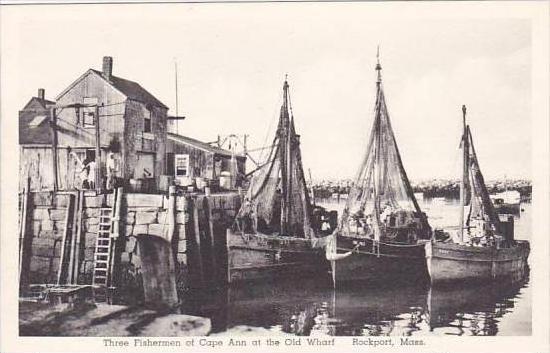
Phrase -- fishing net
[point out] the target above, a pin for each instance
(381, 182)
(269, 188)
(481, 206)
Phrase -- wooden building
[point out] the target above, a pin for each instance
(35, 139)
(99, 113)
(188, 159)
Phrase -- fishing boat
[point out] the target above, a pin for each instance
(484, 248)
(277, 231)
(382, 230)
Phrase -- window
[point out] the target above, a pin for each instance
(147, 120)
(37, 120)
(182, 165)
(88, 112)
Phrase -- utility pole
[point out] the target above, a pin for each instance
(177, 110)
(97, 152)
(53, 126)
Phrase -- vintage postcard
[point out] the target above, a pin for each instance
(275, 176)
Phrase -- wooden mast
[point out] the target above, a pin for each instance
(283, 150)
(464, 179)
(376, 158)
(289, 146)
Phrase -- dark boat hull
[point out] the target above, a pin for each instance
(254, 257)
(392, 263)
(508, 208)
(449, 263)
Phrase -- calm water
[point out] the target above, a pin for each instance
(314, 308)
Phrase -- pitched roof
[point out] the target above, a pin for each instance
(36, 102)
(200, 145)
(132, 90)
(34, 130)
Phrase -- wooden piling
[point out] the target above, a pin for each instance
(72, 249)
(115, 231)
(76, 266)
(25, 252)
(212, 238)
(197, 236)
(61, 274)
(171, 212)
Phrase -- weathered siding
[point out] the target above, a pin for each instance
(120, 120)
(201, 163)
(134, 125)
(111, 121)
(36, 163)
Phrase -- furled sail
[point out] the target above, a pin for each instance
(381, 184)
(277, 191)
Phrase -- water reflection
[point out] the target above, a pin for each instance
(311, 308)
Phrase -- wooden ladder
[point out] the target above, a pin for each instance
(107, 234)
(102, 256)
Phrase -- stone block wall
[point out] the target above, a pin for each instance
(47, 214)
(142, 215)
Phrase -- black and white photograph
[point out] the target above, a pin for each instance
(275, 176)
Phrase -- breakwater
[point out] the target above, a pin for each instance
(432, 188)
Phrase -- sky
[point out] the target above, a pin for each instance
(232, 61)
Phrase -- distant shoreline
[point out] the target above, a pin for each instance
(430, 189)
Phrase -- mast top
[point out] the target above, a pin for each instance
(378, 66)
(464, 115)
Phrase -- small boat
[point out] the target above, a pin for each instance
(484, 248)
(507, 202)
(382, 231)
(277, 231)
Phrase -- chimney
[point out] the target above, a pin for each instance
(107, 67)
(41, 94)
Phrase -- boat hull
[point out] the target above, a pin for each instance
(255, 257)
(393, 263)
(448, 262)
(508, 208)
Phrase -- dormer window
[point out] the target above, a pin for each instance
(148, 118)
